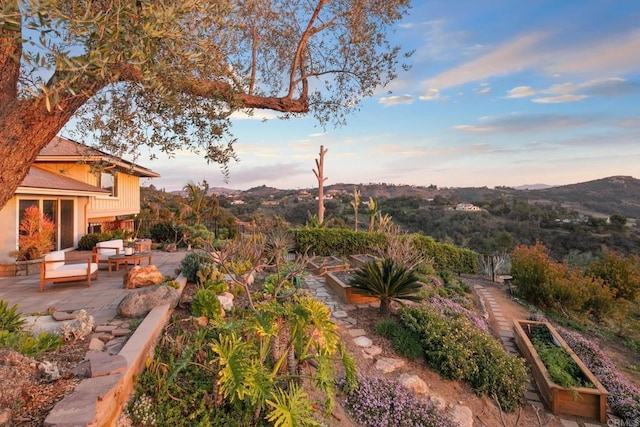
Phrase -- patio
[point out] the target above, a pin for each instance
(100, 300)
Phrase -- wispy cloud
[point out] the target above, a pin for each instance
(525, 122)
(521, 92)
(559, 99)
(512, 57)
(396, 100)
(616, 55)
(432, 95)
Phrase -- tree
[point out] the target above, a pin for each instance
(200, 205)
(135, 74)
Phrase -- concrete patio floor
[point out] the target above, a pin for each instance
(100, 300)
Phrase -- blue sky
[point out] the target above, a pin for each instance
(500, 93)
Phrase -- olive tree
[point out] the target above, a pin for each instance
(168, 74)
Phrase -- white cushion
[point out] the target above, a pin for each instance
(54, 256)
(108, 248)
(70, 270)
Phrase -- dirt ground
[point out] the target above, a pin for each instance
(485, 410)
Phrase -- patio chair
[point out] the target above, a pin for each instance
(54, 270)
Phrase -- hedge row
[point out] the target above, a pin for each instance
(342, 242)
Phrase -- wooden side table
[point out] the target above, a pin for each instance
(126, 260)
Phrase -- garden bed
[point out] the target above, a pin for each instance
(590, 402)
(322, 265)
(338, 281)
(359, 260)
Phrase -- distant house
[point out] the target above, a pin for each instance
(468, 207)
(80, 188)
(237, 202)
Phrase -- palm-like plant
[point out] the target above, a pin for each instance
(387, 281)
(373, 213)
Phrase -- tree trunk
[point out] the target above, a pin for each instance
(384, 306)
(25, 128)
(319, 172)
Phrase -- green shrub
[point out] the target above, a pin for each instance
(88, 241)
(29, 345)
(10, 319)
(338, 241)
(458, 350)
(190, 265)
(205, 303)
(405, 342)
(166, 232)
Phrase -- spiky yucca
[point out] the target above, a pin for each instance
(387, 281)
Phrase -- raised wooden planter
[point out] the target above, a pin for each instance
(322, 265)
(578, 401)
(359, 260)
(343, 290)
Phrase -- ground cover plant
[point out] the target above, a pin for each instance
(459, 351)
(384, 402)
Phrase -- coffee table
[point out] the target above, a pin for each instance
(126, 260)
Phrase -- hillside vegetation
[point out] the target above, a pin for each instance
(571, 220)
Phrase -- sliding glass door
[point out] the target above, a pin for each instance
(61, 212)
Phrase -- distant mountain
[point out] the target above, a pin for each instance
(606, 196)
(533, 187)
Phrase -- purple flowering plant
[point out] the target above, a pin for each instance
(382, 402)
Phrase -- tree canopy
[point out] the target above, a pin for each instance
(168, 74)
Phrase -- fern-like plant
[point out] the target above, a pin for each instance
(10, 319)
(387, 281)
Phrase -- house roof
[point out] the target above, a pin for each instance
(39, 181)
(65, 150)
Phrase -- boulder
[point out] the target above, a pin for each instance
(463, 416)
(414, 383)
(140, 276)
(142, 301)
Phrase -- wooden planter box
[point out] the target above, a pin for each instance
(322, 265)
(579, 401)
(344, 292)
(358, 261)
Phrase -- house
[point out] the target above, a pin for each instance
(469, 207)
(80, 188)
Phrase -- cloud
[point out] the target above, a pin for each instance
(431, 95)
(474, 128)
(525, 122)
(573, 92)
(540, 52)
(521, 92)
(396, 100)
(559, 99)
(262, 174)
(509, 58)
(615, 55)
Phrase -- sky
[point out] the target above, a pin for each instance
(500, 93)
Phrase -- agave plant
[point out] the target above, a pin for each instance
(387, 281)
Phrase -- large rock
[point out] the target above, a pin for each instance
(140, 276)
(142, 301)
(414, 383)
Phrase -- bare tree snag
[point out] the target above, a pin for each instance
(319, 173)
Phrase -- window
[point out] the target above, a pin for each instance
(109, 181)
(61, 212)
